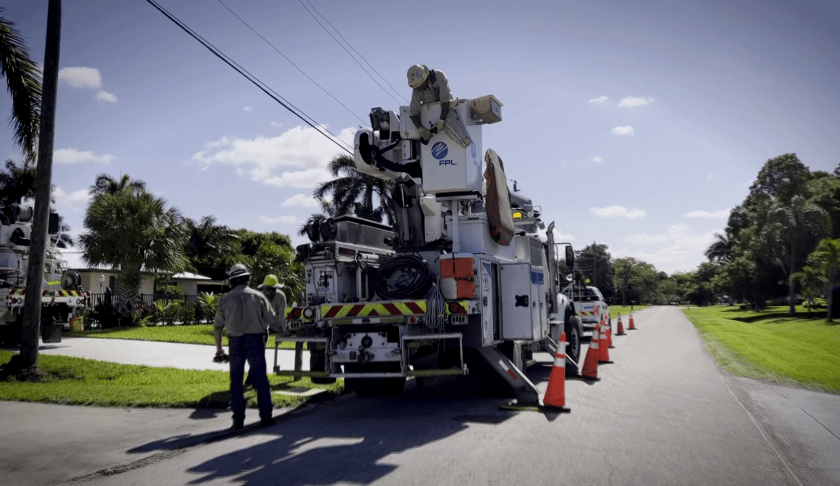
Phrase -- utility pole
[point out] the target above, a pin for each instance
(35, 270)
(594, 266)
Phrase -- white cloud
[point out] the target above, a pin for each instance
(710, 176)
(301, 200)
(297, 157)
(599, 100)
(597, 159)
(677, 250)
(81, 77)
(279, 220)
(103, 95)
(72, 156)
(86, 77)
(76, 201)
(617, 211)
(247, 109)
(721, 214)
(633, 102)
(628, 130)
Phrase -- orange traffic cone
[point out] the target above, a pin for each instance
(609, 333)
(620, 331)
(604, 356)
(631, 327)
(590, 364)
(555, 394)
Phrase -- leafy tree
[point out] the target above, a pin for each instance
(826, 259)
(790, 233)
(780, 179)
(623, 268)
(736, 277)
(593, 263)
(132, 229)
(352, 192)
(812, 283)
(23, 80)
(211, 248)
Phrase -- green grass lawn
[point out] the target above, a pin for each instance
(77, 381)
(188, 334)
(771, 345)
(625, 311)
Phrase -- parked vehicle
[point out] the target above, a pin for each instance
(462, 284)
(62, 295)
(588, 303)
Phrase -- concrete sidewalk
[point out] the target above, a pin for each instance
(152, 353)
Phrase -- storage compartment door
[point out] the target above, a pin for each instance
(516, 300)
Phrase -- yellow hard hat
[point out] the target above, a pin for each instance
(417, 74)
(270, 280)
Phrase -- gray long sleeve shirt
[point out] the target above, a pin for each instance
(244, 310)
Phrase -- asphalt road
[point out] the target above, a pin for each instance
(663, 413)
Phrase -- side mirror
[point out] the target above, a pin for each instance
(570, 257)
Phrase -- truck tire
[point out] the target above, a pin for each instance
(573, 334)
(317, 362)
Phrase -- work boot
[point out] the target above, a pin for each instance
(267, 422)
(237, 424)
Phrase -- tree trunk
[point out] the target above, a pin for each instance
(792, 280)
(35, 270)
(830, 299)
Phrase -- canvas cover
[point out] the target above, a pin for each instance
(498, 200)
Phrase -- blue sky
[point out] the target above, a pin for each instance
(635, 124)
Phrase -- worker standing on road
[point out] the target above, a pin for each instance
(245, 314)
(429, 86)
(272, 291)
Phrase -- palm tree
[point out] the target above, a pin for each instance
(16, 183)
(208, 247)
(791, 228)
(352, 191)
(720, 250)
(105, 184)
(826, 257)
(23, 81)
(132, 230)
(812, 282)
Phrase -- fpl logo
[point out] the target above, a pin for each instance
(440, 151)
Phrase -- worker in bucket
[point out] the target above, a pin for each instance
(428, 86)
(245, 315)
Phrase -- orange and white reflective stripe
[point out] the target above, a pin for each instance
(508, 370)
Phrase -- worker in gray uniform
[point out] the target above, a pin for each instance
(245, 315)
(428, 86)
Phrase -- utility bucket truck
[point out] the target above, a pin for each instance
(462, 284)
(62, 295)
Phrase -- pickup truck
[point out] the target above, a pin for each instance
(588, 303)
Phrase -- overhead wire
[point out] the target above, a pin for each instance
(291, 62)
(256, 81)
(354, 50)
(348, 52)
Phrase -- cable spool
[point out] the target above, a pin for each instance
(71, 280)
(404, 277)
(328, 229)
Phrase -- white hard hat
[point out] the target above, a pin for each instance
(417, 74)
(238, 270)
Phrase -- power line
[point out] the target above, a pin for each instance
(348, 52)
(290, 61)
(253, 79)
(354, 50)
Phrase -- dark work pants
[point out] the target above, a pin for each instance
(251, 348)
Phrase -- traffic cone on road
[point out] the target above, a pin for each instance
(555, 394)
(631, 327)
(620, 331)
(604, 356)
(590, 364)
(609, 333)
